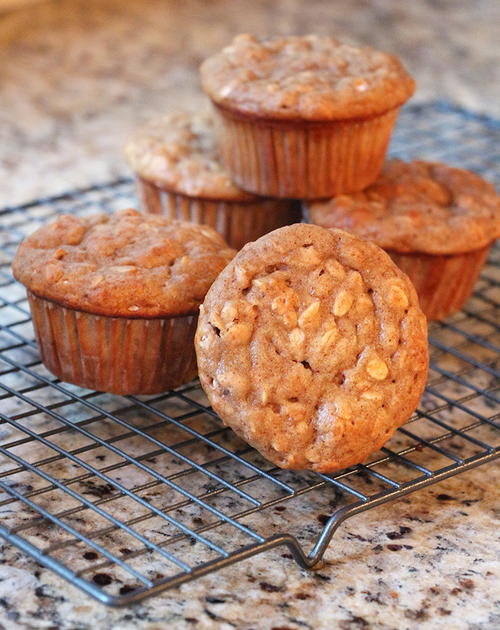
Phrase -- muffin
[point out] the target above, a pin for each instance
(179, 174)
(303, 117)
(436, 222)
(311, 345)
(114, 299)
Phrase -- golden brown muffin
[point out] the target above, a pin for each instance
(312, 347)
(114, 298)
(436, 222)
(179, 174)
(304, 116)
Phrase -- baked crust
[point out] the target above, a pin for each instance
(308, 77)
(178, 152)
(418, 206)
(312, 347)
(128, 264)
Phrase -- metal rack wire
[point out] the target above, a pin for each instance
(127, 496)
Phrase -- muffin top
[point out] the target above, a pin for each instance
(309, 77)
(178, 152)
(418, 207)
(311, 345)
(126, 265)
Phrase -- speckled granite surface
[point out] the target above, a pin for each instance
(441, 573)
(77, 77)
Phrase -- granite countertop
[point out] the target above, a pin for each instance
(427, 561)
(77, 76)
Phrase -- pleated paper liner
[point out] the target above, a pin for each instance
(237, 221)
(120, 355)
(443, 283)
(302, 159)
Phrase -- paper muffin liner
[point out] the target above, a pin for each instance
(443, 283)
(119, 355)
(238, 222)
(302, 159)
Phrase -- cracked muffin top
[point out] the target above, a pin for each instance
(308, 77)
(311, 345)
(418, 207)
(178, 152)
(126, 265)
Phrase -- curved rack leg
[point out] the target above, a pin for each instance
(316, 554)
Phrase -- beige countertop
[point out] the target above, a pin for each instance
(76, 77)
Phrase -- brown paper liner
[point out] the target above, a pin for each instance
(238, 222)
(119, 355)
(443, 283)
(302, 159)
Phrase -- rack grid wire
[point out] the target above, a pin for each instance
(127, 496)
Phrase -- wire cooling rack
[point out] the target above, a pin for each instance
(127, 496)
